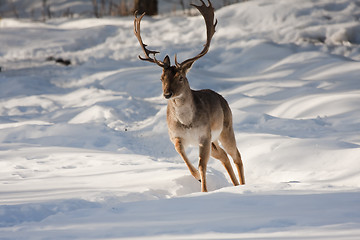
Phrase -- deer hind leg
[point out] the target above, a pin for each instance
(179, 147)
(219, 153)
(227, 139)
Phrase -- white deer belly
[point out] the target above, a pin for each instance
(215, 134)
(193, 136)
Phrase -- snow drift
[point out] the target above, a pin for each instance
(84, 149)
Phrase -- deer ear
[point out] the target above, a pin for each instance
(167, 62)
(187, 66)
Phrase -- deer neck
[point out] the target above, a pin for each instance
(182, 107)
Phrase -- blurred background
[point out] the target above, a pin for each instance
(41, 10)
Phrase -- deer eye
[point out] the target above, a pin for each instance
(181, 78)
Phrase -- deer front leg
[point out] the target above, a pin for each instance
(204, 155)
(179, 147)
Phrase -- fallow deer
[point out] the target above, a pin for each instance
(200, 118)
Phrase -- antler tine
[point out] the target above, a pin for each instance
(178, 65)
(208, 13)
(137, 21)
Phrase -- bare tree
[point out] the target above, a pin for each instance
(182, 5)
(46, 10)
(95, 8)
(13, 7)
(102, 12)
(148, 6)
(123, 9)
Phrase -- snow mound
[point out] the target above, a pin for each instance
(85, 153)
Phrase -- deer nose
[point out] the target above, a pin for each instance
(168, 95)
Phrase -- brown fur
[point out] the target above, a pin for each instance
(201, 118)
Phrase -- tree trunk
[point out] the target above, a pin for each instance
(148, 6)
(95, 7)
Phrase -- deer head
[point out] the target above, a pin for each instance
(174, 81)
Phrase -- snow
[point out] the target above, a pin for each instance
(85, 153)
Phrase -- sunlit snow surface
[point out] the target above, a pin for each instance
(84, 149)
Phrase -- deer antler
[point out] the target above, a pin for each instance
(143, 46)
(208, 13)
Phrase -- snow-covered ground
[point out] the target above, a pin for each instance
(84, 149)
